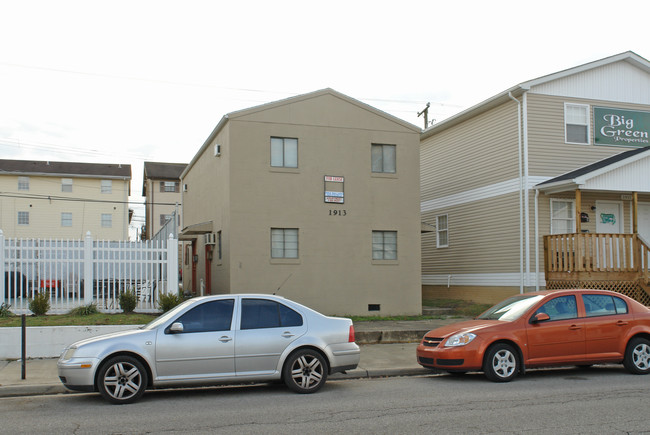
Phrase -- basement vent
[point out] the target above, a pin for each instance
(374, 307)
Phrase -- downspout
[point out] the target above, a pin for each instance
(526, 188)
(536, 240)
(521, 227)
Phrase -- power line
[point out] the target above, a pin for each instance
(73, 199)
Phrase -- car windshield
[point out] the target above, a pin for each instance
(511, 309)
(166, 316)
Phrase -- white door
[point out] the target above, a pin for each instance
(609, 217)
(644, 220)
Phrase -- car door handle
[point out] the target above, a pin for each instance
(225, 339)
(287, 334)
(621, 323)
(574, 327)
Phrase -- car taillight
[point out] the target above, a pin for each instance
(351, 336)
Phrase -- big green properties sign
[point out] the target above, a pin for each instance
(620, 127)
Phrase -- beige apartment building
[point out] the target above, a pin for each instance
(161, 189)
(543, 185)
(314, 198)
(64, 200)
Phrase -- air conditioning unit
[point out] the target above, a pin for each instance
(209, 238)
(217, 150)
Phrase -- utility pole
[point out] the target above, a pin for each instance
(426, 115)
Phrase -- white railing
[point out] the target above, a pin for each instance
(82, 272)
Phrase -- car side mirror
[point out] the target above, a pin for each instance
(540, 317)
(176, 327)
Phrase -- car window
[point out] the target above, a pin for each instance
(209, 316)
(603, 305)
(262, 313)
(560, 308)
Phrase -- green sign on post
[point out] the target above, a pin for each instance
(619, 127)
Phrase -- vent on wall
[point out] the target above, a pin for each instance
(374, 307)
(217, 150)
(184, 187)
(209, 238)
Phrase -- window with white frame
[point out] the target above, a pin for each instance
(107, 186)
(66, 219)
(169, 186)
(576, 123)
(383, 158)
(284, 152)
(563, 216)
(66, 184)
(23, 183)
(442, 231)
(107, 220)
(384, 245)
(284, 242)
(23, 218)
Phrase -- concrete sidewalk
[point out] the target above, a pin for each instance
(387, 349)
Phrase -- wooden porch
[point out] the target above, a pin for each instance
(617, 262)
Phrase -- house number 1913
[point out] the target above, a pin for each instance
(338, 212)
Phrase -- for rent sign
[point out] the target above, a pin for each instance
(621, 127)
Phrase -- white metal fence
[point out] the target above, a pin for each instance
(81, 272)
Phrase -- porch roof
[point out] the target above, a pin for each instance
(627, 172)
(191, 232)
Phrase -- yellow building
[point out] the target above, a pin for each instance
(64, 200)
(315, 198)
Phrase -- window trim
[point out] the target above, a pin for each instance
(438, 231)
(383, 251)
(23, 183)
(284, 155)
(588, 124)
(383, 165)
(284, 248)
(25, 221)
(106, 187)
(572, 219)
(102, 221)
(66, 183)
(63, 221)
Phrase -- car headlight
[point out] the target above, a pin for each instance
(69, 352)
(460, 339)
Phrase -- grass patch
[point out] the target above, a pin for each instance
(79, 320)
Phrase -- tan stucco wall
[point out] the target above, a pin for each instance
(245, 197)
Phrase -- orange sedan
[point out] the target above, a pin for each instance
(541, 329)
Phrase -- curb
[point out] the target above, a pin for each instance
(388, 337)
(53, 389)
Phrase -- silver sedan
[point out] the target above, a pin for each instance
(212, 340)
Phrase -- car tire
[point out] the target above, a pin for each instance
(501, 363)
(122, 379)
(637, 356)
(305, 371)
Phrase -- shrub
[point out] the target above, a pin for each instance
(128, 301)
(40, 304)
(4, 310)
(84, 310)
(168, 301)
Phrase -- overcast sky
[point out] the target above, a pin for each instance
(133, 81)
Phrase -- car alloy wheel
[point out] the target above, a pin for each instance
(122, 379)
(305, 371)
(501, 363)
(637, 356)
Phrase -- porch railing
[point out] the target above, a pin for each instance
(594, 256)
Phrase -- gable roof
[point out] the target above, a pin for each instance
(73, 169)
(516, 91)
(586, 176)
(161, 171)
(292, 100)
